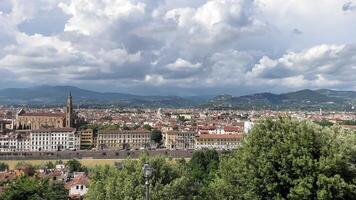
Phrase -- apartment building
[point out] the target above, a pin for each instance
(54, 139)
(180, 139)
(218, 141)
(86, 139)
(123, 139)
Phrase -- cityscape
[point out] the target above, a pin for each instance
(177, 100)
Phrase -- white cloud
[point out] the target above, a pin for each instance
(95, 16)
(319, 66)
(205, 46)
(181, 64)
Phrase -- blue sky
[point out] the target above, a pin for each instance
(180, 47)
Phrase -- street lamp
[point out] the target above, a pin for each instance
(147, 173)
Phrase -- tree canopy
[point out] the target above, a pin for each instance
(31, 188)
(288, 159)
(156, 136)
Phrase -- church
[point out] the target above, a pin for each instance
(41, 120)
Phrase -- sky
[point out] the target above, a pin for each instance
(179, 47)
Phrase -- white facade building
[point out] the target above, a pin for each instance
(54, 139)
(248, 126)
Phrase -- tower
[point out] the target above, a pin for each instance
(69, 111)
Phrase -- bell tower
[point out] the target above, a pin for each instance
(69, 111)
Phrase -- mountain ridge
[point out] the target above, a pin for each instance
(56, 95)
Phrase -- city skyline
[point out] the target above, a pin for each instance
(179, 47)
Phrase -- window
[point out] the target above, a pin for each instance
(77, 187)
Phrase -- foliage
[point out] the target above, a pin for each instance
(348, 122)
(156, 136)
(324, 123)
(170, 180)
(30, 188)
(75, 166)
(3, 166)
(97, 127)
(288, 159)
(147, 127)
(29, 169)
(50, 165)
(204, 164)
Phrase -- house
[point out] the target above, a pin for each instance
(78, 186)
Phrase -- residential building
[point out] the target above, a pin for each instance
(78, 186)
(54, 139)
(123, 139)
(180, 140)
(86, 139)
(218, 141)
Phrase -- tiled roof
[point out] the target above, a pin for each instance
(64, 129)
(43, 114)
(220, 136)
(79, 180)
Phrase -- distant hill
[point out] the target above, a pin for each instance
(56, 95)
(302, 99)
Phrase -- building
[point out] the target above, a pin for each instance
(123, 139)
(180, 140)
(218, 141)
(248, 126)
(34, 121)
(14, 141)
(86, 139)
(78, 186)
(4, 124)
(54, 139)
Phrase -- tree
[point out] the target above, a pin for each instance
(4, 166)
(204, 164)
(288, 159)
(50, 165)
(170, 180)
(147, 127)
(30, 188)
(75, 166)
(156, 136)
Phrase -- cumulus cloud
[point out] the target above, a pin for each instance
(181, 64)
(169, 46)
(319, 66)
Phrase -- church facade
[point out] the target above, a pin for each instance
(35, 121)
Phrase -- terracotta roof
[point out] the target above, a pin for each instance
(5, 176)
(231, 128)
(220, 136)
(64, 129)
(79, 180)
(206, 127)
(123, 132)
(43, 114)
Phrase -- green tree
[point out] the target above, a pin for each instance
(75, 166)
(147, 127)
(170, 180)
(30, 188)
(156, 136)
(288, 159)
(50, 165)
(204, 164)
(324, 123)
(3, 166)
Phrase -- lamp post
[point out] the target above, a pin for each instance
(147, 172)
